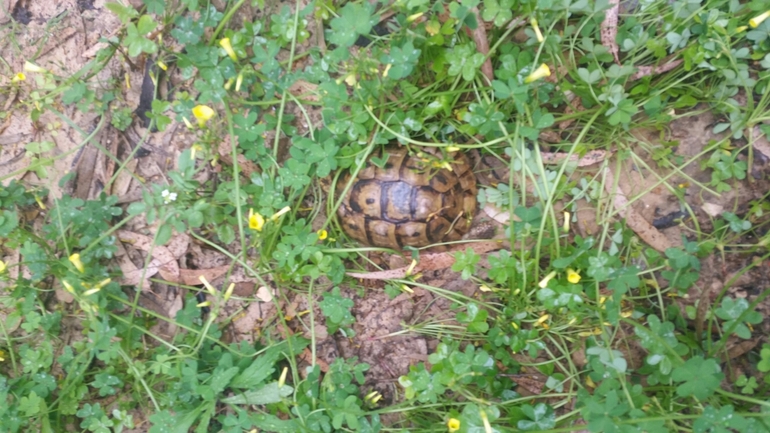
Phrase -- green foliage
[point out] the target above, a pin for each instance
(303, 109)
(336, 308)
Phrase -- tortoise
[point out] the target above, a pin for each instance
(412, 200)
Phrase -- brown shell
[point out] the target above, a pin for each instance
(408, 203)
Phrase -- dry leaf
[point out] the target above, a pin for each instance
(264, 294)
(590, 158)
(496, 214)
(610, 29)
(191, 277)
(760, 142)
(713, 210)
(639, 225)
(163, 261)
(428, 262)
(643, 71)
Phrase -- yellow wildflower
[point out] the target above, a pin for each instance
(757, 20)
(413, 17)
(485, 420)
(256, 221)
(373, 397)
(18, 77)
(204, 304)
(542, 319)
(572, 276)
(541, 72)
(229, 291)
(282, 379)
(280, 213)
(162, 65)
(225, 43)
(90, 292)
(238, 82)
(387, 69)
(536, 29)
(544, 282)
(75, 259)
(68, 286)
(322, 234)
(3, 266)
(31, 67)
(203, 113)
(565, 227)
(453, 425)
(208, 285)
(411, 267)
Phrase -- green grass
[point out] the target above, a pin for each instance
(595, 317)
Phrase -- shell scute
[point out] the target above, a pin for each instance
(408, 201)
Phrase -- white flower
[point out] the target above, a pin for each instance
(168, 197)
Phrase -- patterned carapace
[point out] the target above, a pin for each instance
(408, 202)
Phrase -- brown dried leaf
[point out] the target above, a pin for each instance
(761, 142)
(639, 225)
(643, 71)
(191, 277)
(429, 262)
(610, 29)
(245, 166)
(163, 260)
(479, 36)
(590, 158)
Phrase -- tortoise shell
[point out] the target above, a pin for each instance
(408, 202)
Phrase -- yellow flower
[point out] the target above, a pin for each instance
(225, 43)
(413, 17)
(322, 234)
(373, 397)
(204, 304)
(280, 213)
(238, 82)
(541, 72)
(565, 227)
(203, 113)
(536, 28)
(572, 276)
(387, 69)
(75, 259)
(90, 292)
(162, 65)
(18, 77)
(229, 291)
(542, 319)
(209, 287)
(757, 20)
(282, 379)
(453, 425)
(3, 266)
(256, 221)
(31, 67)
(68, 286)
(544, 282)
(485, 420)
